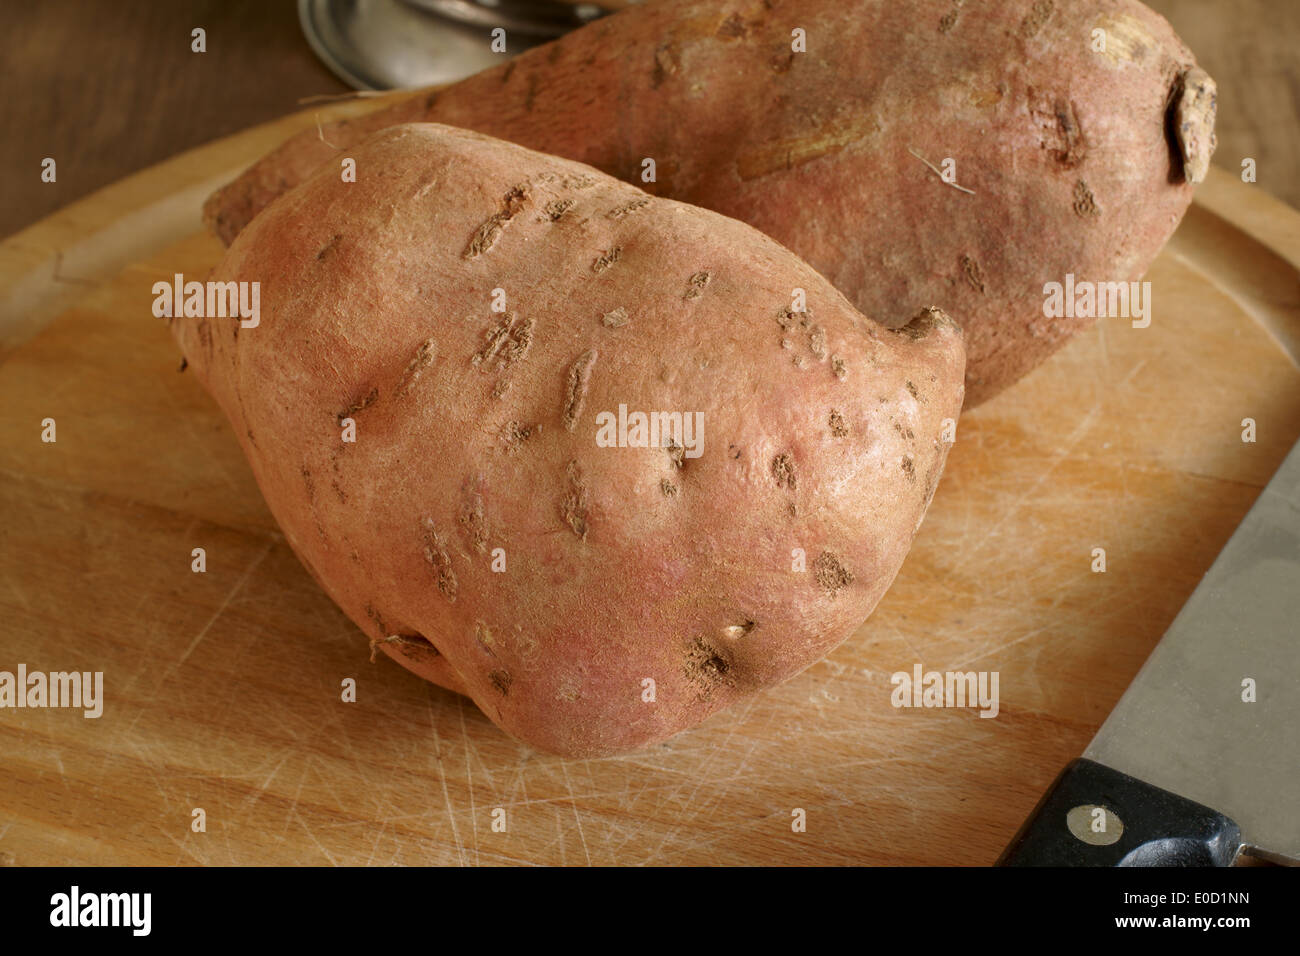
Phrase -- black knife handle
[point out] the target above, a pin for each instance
(1095, 816)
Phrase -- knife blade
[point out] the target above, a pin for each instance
(1200, 759)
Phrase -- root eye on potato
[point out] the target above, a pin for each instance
(485, 540)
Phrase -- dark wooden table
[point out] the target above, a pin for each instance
(108, 87)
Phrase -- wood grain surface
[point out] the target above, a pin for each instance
(223, 689)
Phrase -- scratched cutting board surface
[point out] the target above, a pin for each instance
(222, 689)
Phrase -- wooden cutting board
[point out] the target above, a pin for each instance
(222, 690)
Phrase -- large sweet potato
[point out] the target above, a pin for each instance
(477, 528)
(1074, 129)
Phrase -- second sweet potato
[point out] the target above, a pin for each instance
(1072, 133)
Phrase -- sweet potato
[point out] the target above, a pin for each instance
(476, 529)
(1074, 129)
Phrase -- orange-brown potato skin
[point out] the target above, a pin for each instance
(1068, 152)
(823, 433)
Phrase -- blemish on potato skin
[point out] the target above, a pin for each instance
(837, 424)
(515, 433)
(507, 342)
(620, 212)
(486, 235)
(668, 488)
(1074, 147)
(912, 390)
(359, 405)
(607, 259)
(575, 390)
(435, 552)
(501, 680)
(615, 318)
(905, 432)
(838, 368)
(787, 318)
(817, 342)
(473, 522)
(1061, 134)
(733, 28)
(924, 322)
(555, 209)
(783, 471)
(830, 573)
(1085, 204)
(706, 667)
(573, 505)
(1035, 18)
(973, 273)
(423, 358)
(909, 468)
(695, 285)
(676, 454)
(483, 637)
(665, 65)
(329, 246)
